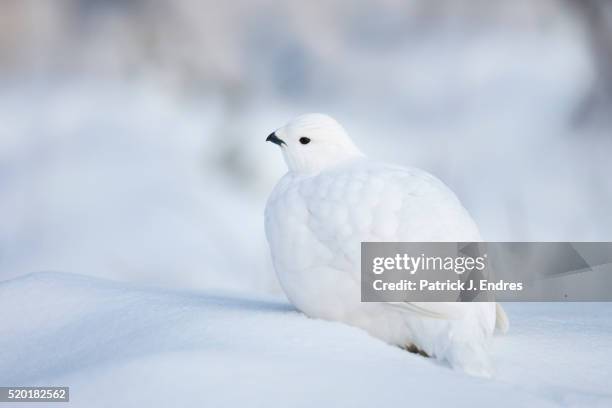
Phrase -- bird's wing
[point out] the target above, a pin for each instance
(368, 201)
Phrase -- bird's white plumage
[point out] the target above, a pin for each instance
(331, 200)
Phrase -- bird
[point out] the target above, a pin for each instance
(332, 198)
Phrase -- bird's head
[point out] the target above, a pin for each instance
(313, 142)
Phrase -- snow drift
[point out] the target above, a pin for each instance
(124, 345)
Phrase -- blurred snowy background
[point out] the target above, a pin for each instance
(132, 132)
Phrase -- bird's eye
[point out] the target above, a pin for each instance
(304, 140)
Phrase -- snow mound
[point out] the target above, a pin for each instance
(117, 345)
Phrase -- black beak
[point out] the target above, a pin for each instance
(275, 139)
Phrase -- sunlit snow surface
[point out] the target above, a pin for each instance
(117, 344)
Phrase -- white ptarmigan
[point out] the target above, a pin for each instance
(333, 198)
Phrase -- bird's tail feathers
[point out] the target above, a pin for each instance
(501, 319)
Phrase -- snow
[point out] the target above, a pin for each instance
(124, 183)
(120, 344)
